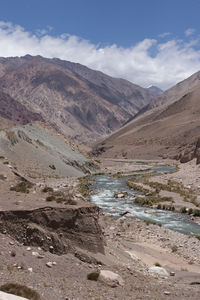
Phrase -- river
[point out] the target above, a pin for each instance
(106, 186)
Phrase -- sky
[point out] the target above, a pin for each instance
(148, 42)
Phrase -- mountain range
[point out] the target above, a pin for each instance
(78, 102)
(168, 127)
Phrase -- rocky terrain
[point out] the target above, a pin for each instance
(56, 244)
(37, 152)
(52, 246)
(12, 112)
(170, 130)
(80, 103)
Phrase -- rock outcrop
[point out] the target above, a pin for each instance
(58, 230)
(192, 151)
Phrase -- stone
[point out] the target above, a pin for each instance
(35, 254)
(30, 270)
(6, 296)
(150, 211)
(172, 273)
(167, 293)
(49, 264)
(158, 270)
(110, 278)
(120, 194)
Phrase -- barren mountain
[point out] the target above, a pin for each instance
(169, 130)
(176, 92)
(81, 103)
(155, 90)
(12, 112)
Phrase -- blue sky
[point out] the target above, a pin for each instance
(140, 40)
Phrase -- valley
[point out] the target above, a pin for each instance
(97, 174)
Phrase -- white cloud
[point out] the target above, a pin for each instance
(190, 31)
(172, 61)
(164, 34)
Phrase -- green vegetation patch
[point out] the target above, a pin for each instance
(22, 187)
(93, 276)
(61, 197)
(84, 186)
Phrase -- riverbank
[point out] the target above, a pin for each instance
(132, 247)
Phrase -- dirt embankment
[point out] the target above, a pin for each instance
(59, 230)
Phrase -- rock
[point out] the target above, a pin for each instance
(167, 293)
(30, 270)
(35, 254)
(150, 211)
(158, 270)
(110, 278)
(120, 194)
(6, 296)
(49, 264)
(172, 273)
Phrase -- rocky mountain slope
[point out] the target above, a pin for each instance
(38, 153)
(12, 112)
(81, 103)
(176, 92)
(168, 130)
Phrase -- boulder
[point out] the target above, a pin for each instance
(150, 211)
(158, 270)
(120, 194)
(6, 296)
(110, 278)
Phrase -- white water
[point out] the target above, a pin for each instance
(107, 185)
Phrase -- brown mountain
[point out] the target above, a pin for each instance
(12, 112)
(174, 93)
(81, 103)
(169, 130)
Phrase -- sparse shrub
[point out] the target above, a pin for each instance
(157, 264)
(50, 198)
(93, 276)
(159, 206)
(47, 189)
(13, 253)
(52, 167)
(183, 210)
(84, 186)
(190, 211)
(20, 290)
(174, 248)
(196, 212)
(22, 187)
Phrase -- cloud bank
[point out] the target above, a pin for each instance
(149, 62)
